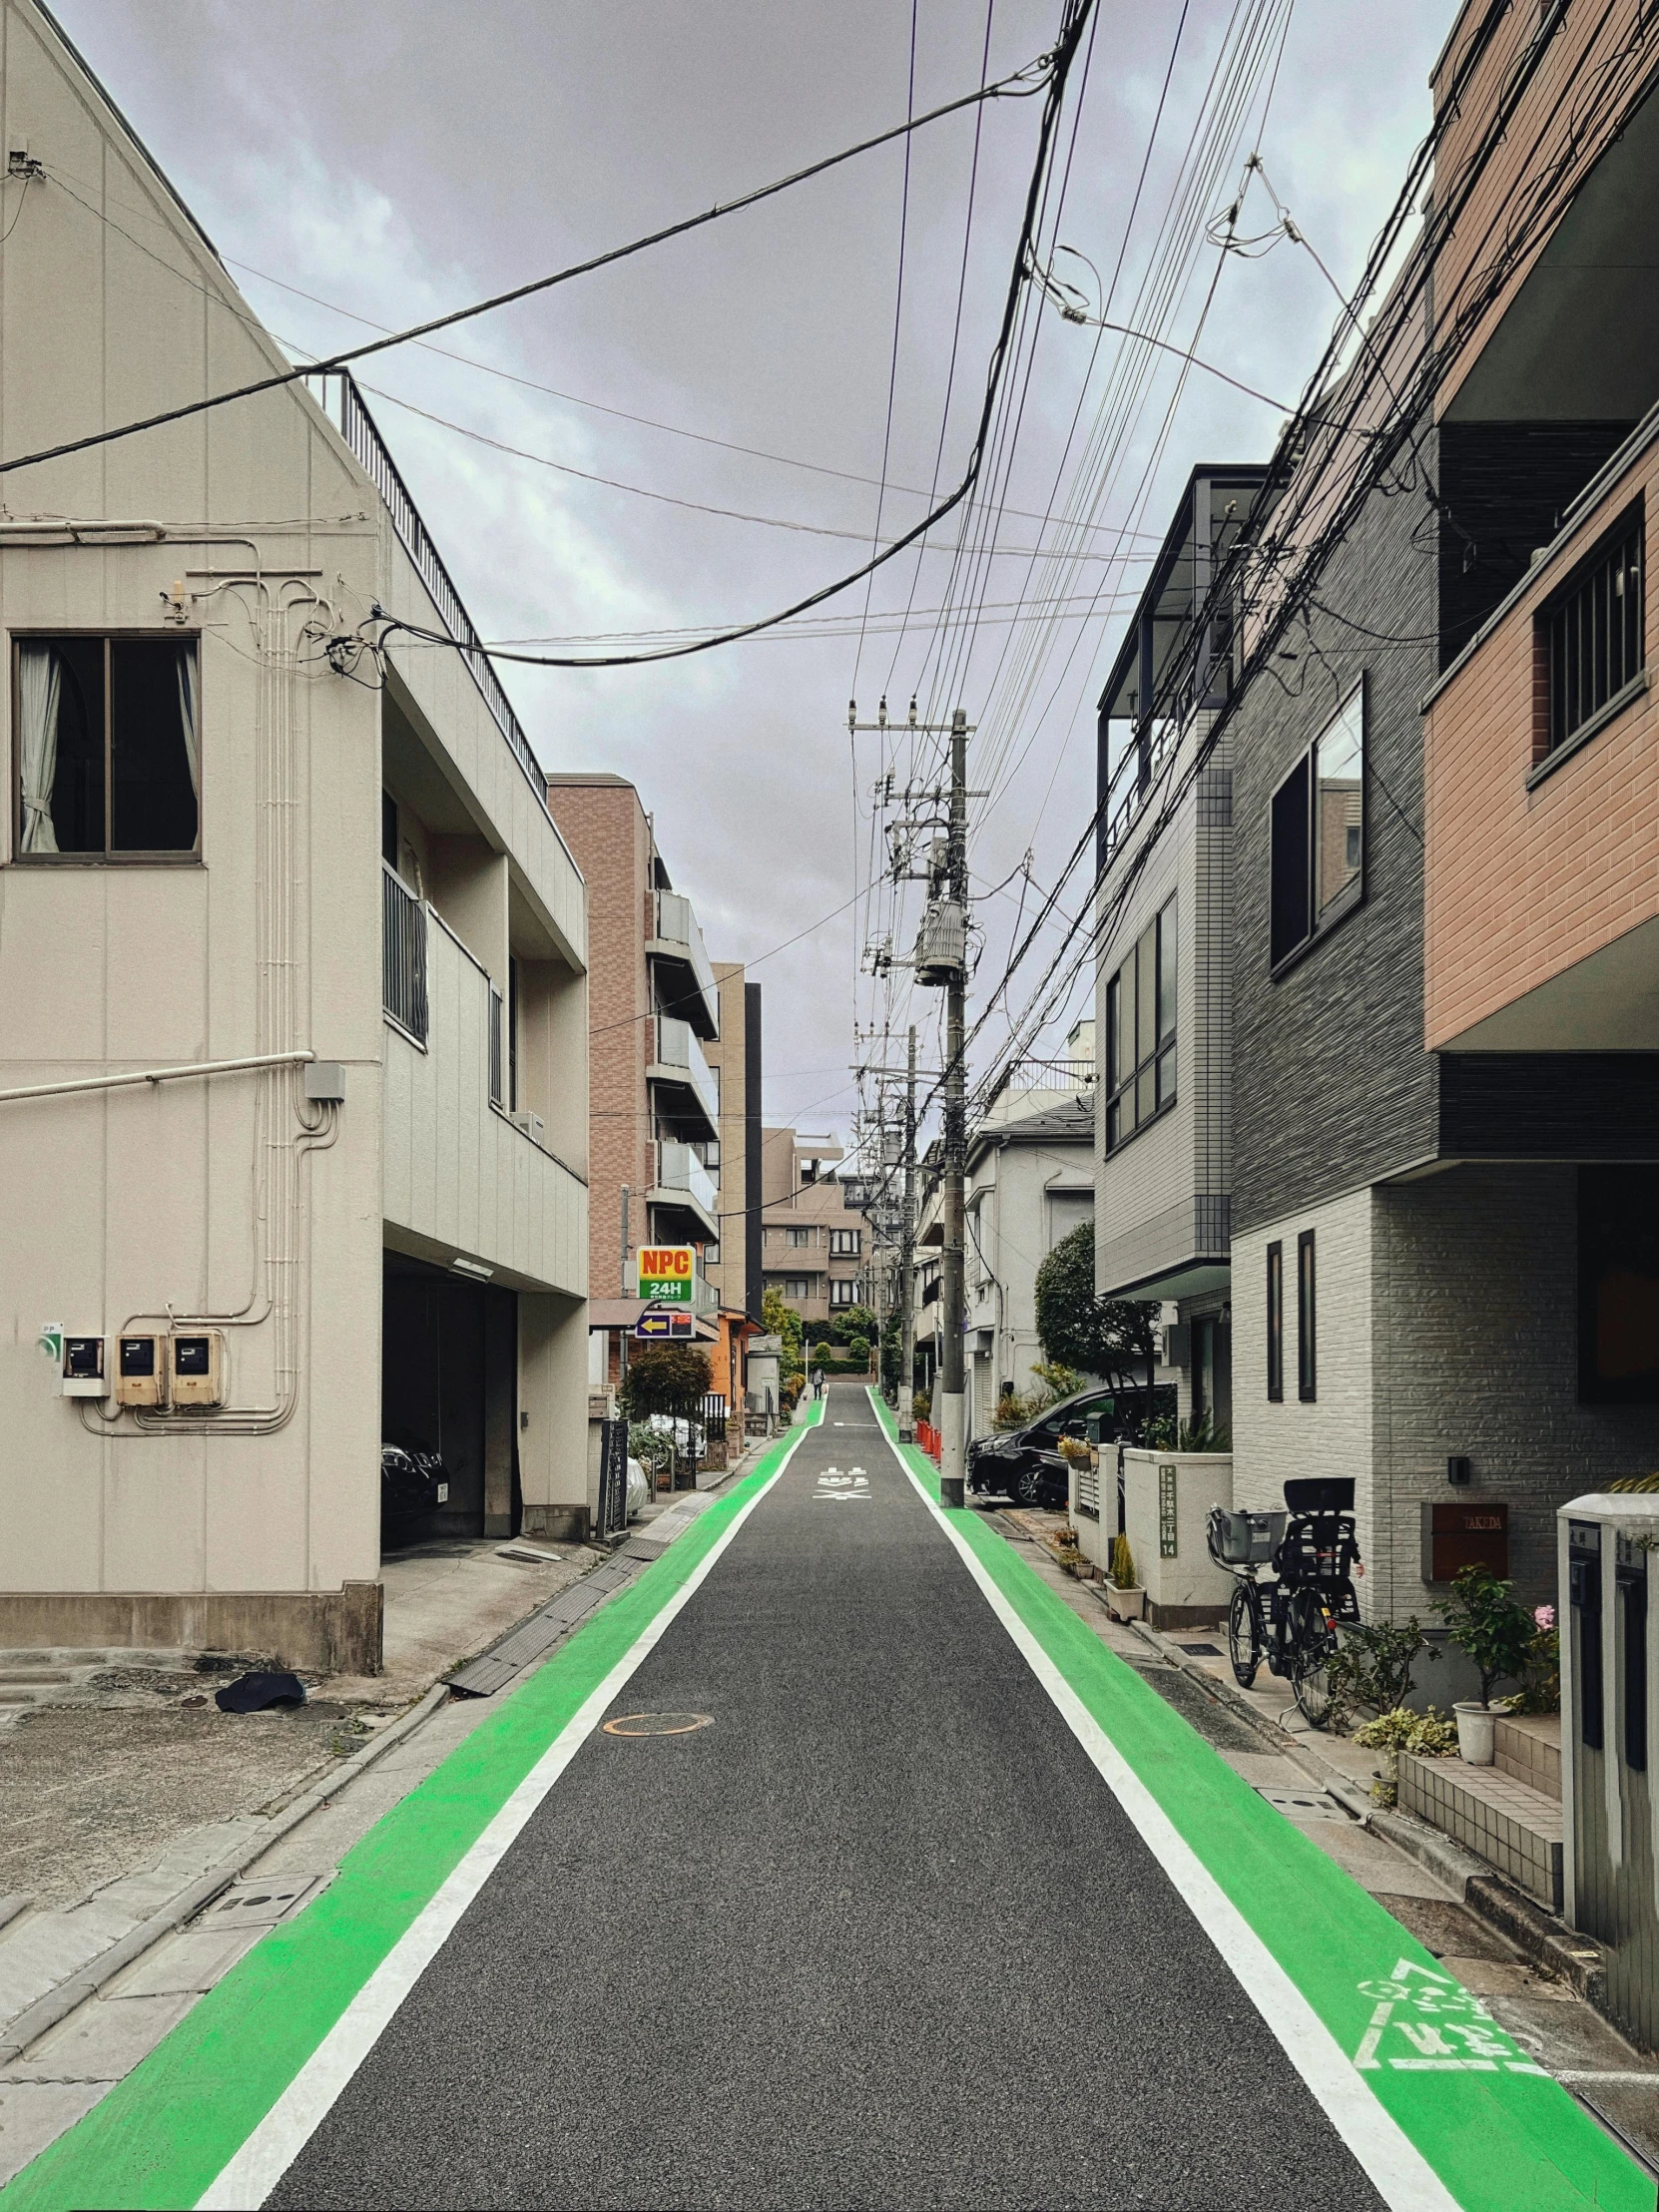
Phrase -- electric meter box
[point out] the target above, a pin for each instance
(83, 1367)
(196, 1367)
(1609, 1782)
(140, 1371)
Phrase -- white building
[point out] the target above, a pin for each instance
(1030, 1182)
(236, 834)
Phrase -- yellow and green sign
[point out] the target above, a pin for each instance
(667, 1274)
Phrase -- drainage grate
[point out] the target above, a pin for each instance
(1203, 1651)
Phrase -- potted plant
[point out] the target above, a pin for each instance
(1496, 1633)
(1125, 1598)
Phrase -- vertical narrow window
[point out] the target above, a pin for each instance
(1140, 1030)
(512, 1034)
(388, 829)
(1167, 945)
(1276, 1320)
(1305, 1370)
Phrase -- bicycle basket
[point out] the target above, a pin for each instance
(1243, 1539)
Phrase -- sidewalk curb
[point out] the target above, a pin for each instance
(45, 2013)
(28, 2026)
(1576, 1959)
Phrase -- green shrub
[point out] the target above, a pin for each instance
(1429, 1735)
(922, 1405)
(1373, 1667)
(1490, 1626)
(1123, 1565)
(857, 1351)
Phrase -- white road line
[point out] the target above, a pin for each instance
(249, 2178)
(1402, 2175)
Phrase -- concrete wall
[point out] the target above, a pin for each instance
(218, 1196)
(1335, 1436)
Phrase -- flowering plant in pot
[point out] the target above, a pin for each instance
(1124, 1595)
(1492, 1629)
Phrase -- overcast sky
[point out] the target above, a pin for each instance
(398, 158)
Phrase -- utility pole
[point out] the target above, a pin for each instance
(907, 1258)
(942, 960)
(953, 1281)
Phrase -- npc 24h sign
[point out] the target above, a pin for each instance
(668, 1274)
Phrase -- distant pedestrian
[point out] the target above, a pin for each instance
(818, 1381)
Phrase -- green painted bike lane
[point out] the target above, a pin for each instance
(1499, 2132)
(164, 2133)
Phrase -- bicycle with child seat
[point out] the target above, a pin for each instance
(1290, 1620)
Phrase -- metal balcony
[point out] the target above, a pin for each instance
(402, 954)
(685, 1199)
(687, 1095)
(686, 981)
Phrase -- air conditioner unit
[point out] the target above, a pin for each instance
(532, 1125)
(941, 943)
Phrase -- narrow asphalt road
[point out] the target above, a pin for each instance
(876, 1935)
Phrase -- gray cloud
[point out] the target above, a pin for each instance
(401, 159)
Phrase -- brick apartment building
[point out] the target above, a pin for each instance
(673, 1055)
(814, 1238)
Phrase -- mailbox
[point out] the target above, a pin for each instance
(1610, 1819)
(1464, 1536)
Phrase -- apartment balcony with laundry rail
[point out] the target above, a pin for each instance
(686, 1093)
(465, 1179)
(685, 979)
(684, 1198)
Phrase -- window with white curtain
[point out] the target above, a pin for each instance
(109, 752)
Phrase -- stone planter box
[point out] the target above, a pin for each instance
(1167, 1500)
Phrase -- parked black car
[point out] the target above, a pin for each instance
(1024, 1465)
(413, 1484)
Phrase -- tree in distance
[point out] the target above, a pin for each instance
(1106, 1337)
(664, 1378)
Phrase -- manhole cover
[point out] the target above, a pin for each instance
(657, 1724)
(1303, 1805)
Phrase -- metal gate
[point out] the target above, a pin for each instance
(613, 1477)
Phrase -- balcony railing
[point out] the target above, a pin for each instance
(676, 924)
(402, 954)
(678, 1051)
(336, 391)
(678, 1169)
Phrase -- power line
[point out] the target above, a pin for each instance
(1059, 65)
(1034, 77)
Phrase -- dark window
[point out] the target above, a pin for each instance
(1318, 827)
(1632, 1588)
(1592, 637)
(1305, 1372)
(1140, 1030)
(1276, 1320)
(108, 747)
(1618, 1285)
(388, 829)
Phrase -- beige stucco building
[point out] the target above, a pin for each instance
(238, 829)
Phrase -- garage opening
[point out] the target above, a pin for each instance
(449, 1387)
